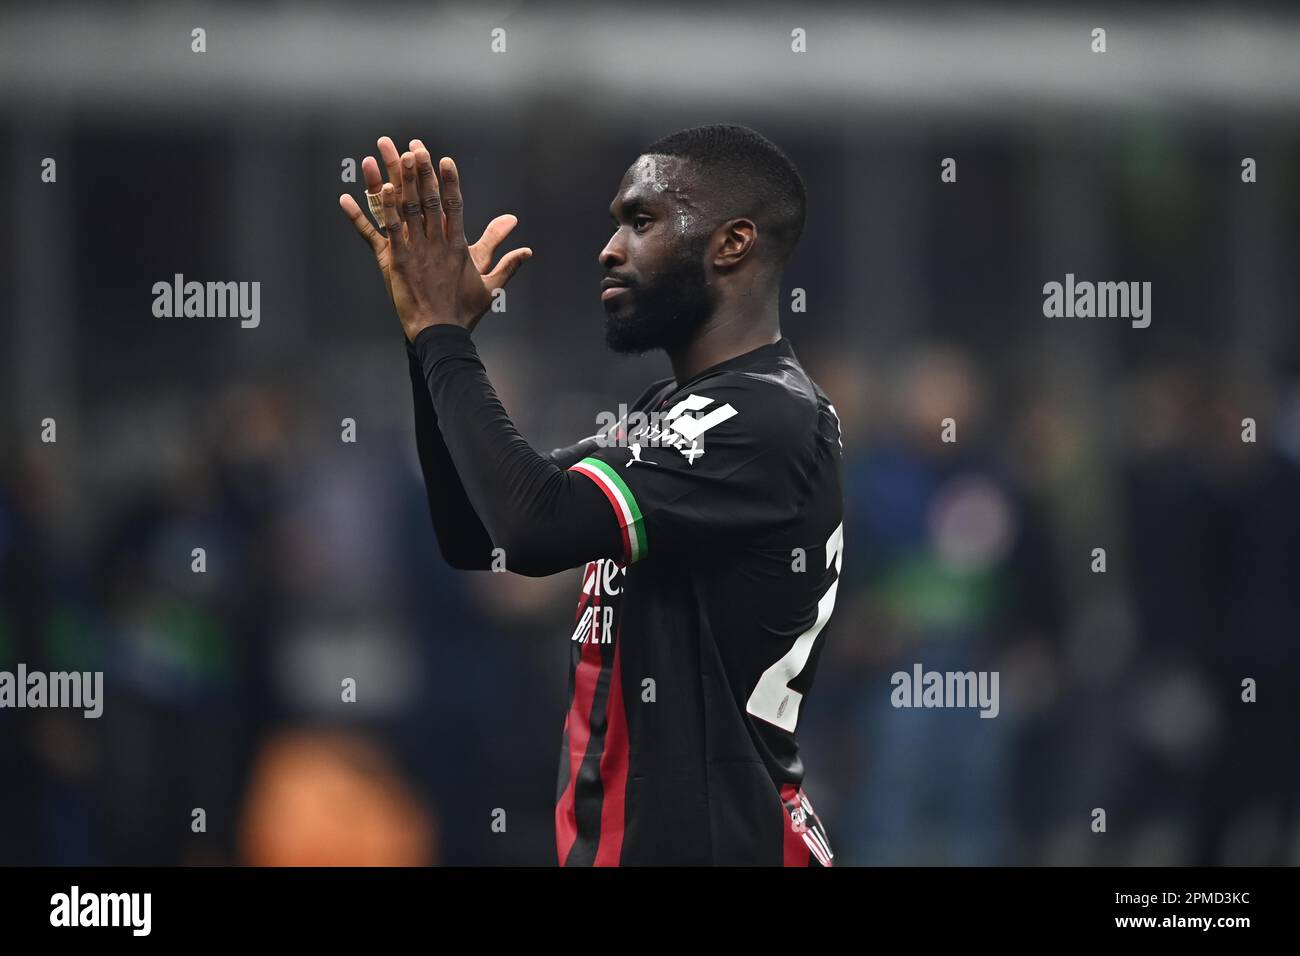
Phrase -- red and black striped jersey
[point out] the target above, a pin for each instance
(708, 523)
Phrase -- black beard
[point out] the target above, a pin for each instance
(668, 312)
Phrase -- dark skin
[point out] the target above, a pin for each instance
(436, 278)
(660, 203)
(432, 274)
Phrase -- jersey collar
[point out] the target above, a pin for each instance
(761, 354)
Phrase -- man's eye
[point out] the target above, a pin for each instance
(641, 221)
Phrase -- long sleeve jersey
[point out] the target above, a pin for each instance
(708, 524)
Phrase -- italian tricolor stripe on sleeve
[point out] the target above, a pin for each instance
(625, 507)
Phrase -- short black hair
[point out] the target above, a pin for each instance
(754, 179)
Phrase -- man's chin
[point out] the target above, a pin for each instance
(632, 331)
(623, 336)
(623, 333)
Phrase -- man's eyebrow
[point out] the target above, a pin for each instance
(630, 207)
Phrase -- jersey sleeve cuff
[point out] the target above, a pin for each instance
(437, 341)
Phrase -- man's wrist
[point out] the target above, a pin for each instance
(414, 329)
(443, 338)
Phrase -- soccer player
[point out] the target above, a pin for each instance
(708, 521)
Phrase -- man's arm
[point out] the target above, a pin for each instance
(462, 539)
(544, 517)
(740, 481)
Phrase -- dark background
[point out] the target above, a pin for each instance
(1119, 690)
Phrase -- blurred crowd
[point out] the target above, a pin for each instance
(226, 736)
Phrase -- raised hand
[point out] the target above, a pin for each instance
(432, 275)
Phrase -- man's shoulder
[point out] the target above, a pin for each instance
(776, 403)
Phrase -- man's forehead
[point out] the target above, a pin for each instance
(654, 177)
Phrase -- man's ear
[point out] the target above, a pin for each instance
(739, 237)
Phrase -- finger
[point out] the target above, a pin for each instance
(427, 187)
(392, 161)
(507, 267)
(409, 204)
(373, 180)
(485, 250)
(453, 207)
(370, 173)
(368, 232)
(392, 221)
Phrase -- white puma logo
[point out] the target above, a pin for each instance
(636, 456)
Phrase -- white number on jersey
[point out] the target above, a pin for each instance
(773, 700)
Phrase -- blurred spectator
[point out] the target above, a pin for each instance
(320, 798)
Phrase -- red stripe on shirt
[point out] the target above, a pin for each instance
(797, 852)
(578, 723)
(613, 769)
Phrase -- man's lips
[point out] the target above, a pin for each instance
(610, 288)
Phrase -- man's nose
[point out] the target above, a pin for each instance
(612, 254)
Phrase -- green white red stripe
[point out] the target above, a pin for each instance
(616, 490)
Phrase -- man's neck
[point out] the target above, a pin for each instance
(731, 330)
